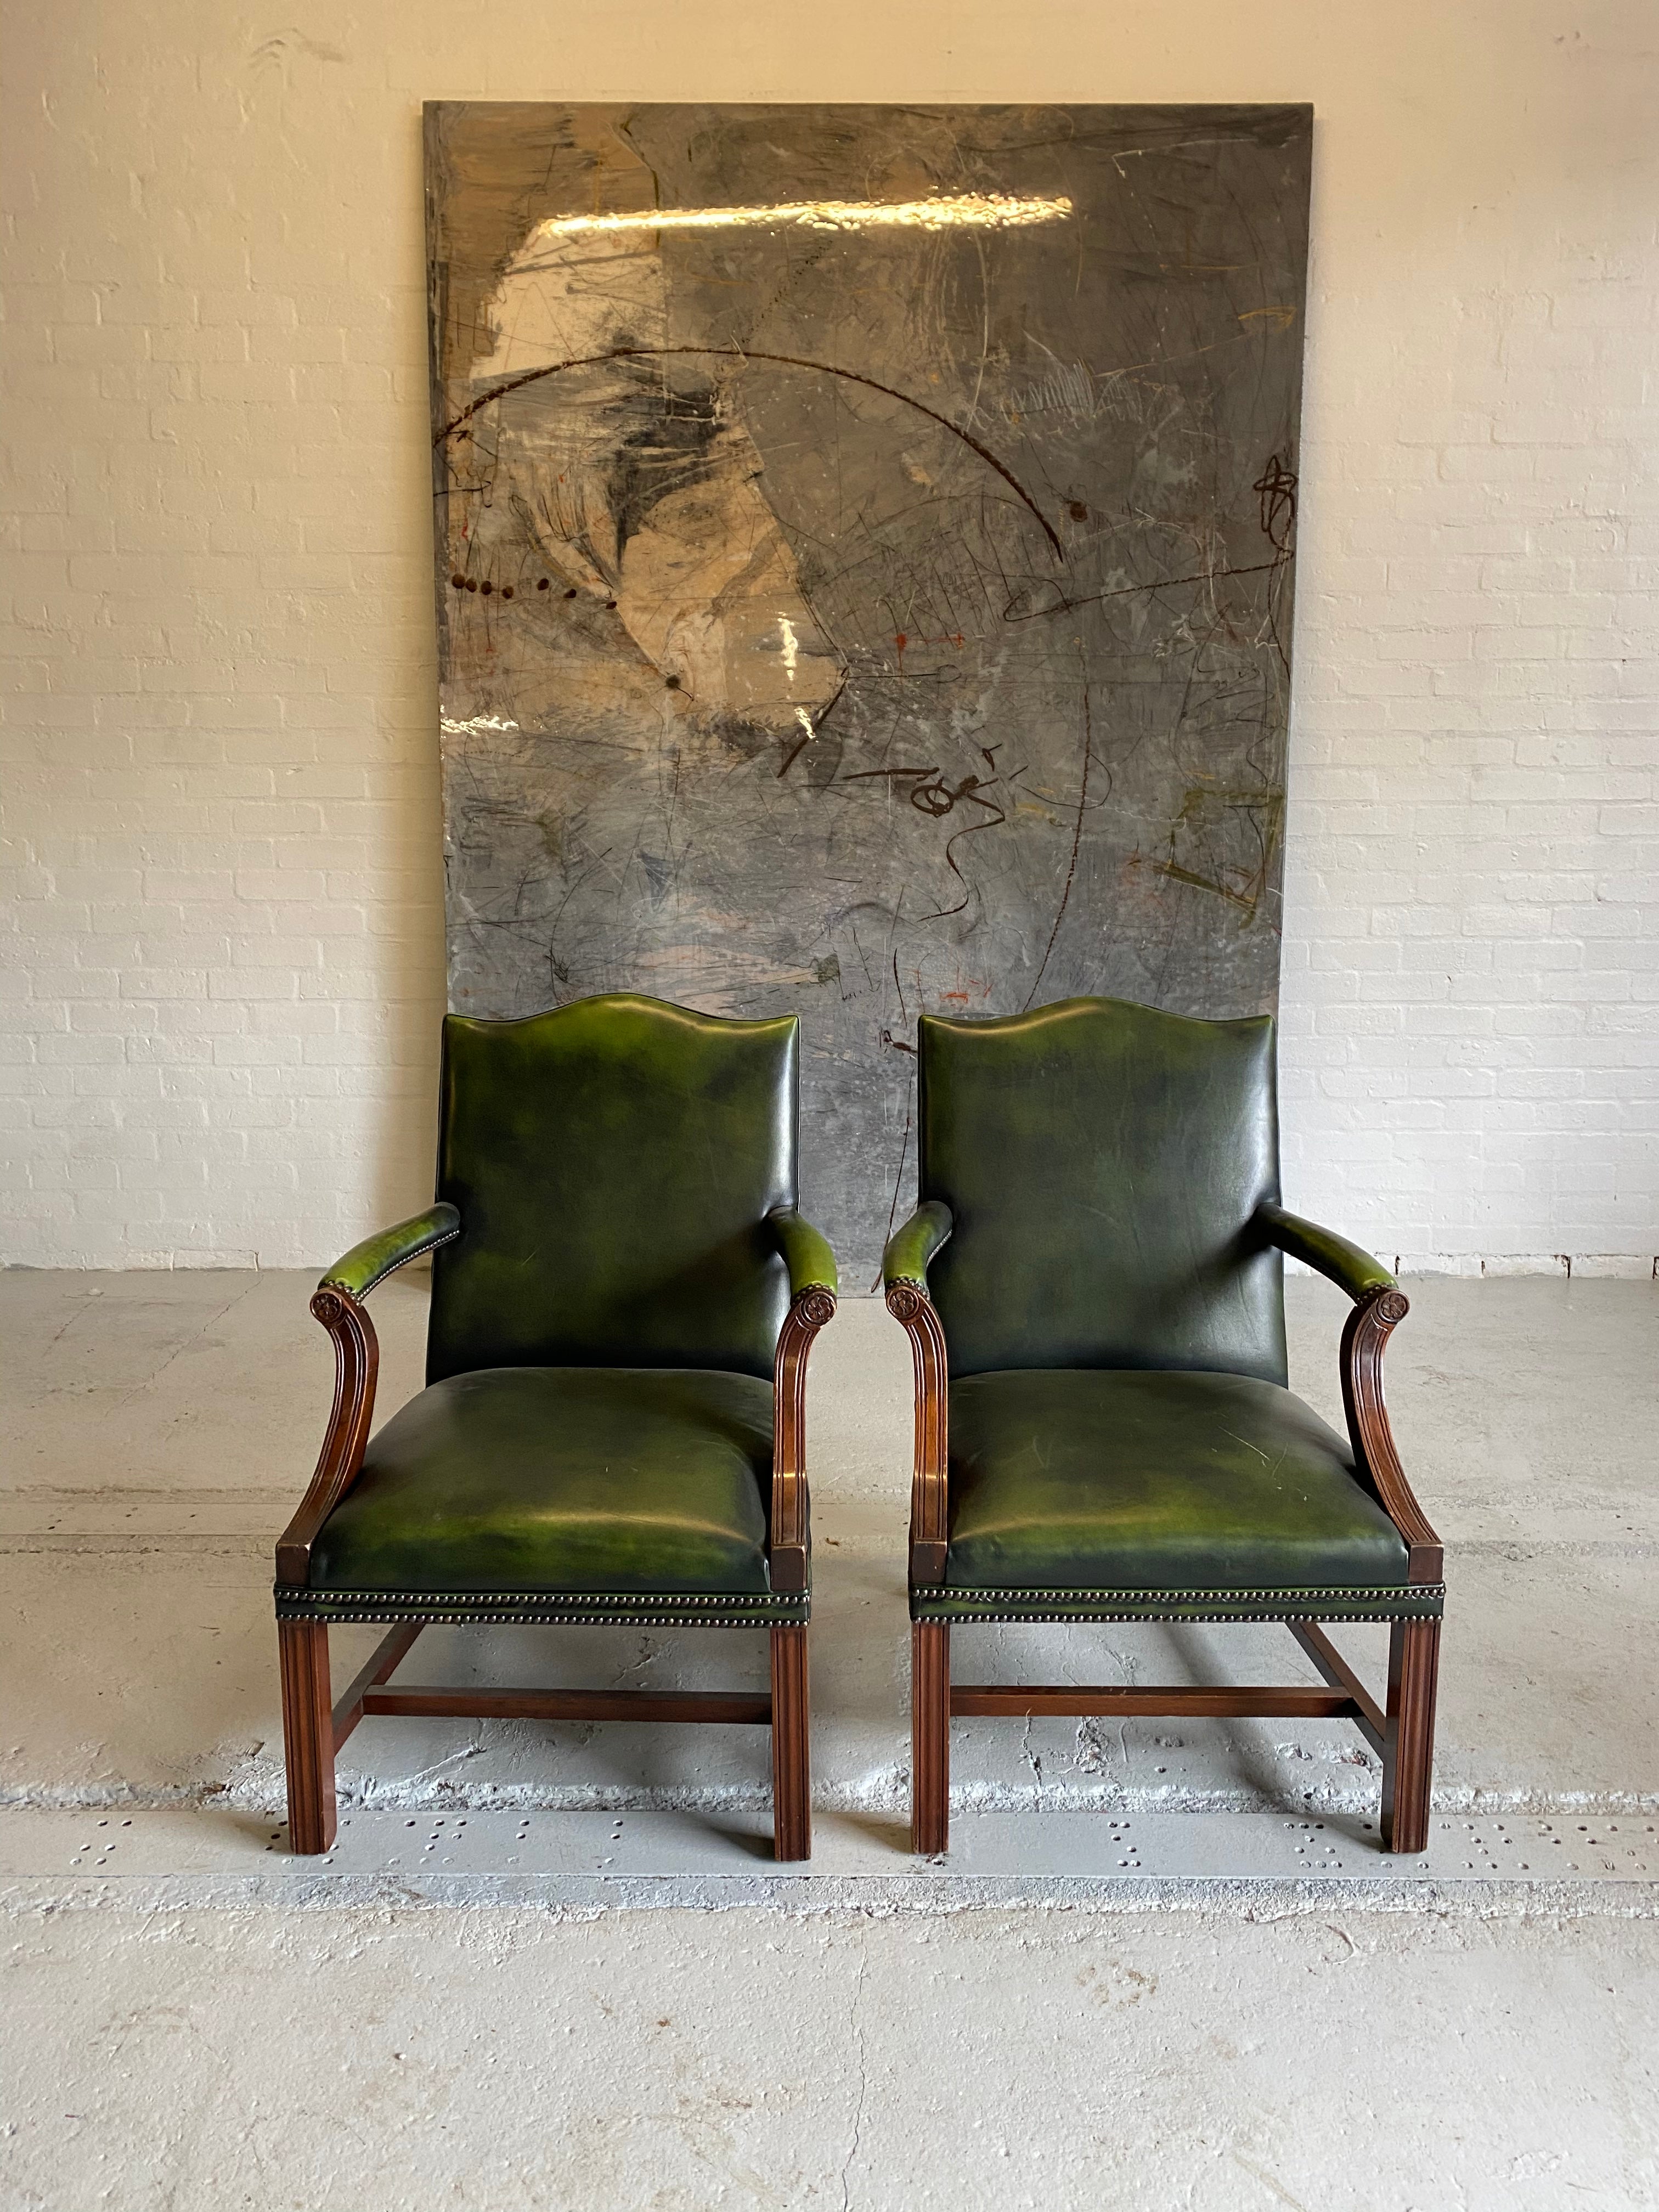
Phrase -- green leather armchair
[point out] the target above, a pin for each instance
(1092, 1283)
(624, 1298)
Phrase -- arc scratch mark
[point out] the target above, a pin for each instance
(785, 360)
(1130, 591)
(1077, 840)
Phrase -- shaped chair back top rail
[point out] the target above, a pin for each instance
(613, 1162)
(1101, 1163)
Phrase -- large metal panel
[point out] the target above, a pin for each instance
(865, 541)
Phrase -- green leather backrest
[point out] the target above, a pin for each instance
(613, 1162)
(1101, 1161)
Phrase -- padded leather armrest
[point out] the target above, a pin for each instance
(356, 1364)
(810, 1262)
(911, 1248)
(377, 1256)
(1344, 1264)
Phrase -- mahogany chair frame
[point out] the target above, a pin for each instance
(315, 1728)
(1399, 1727)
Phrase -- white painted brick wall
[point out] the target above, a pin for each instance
(222, 963)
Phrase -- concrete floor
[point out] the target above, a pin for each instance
(1059, 2016)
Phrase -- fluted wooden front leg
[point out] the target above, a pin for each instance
(791, 1764)
(930, 1736)
(1408, 1736)
(307, 1733)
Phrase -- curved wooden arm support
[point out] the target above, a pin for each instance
(1368, 1327)
(356, 1365)
(815, 1308)
(912, 1308)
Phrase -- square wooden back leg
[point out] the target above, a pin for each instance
(307, 1733)
(930, 1736)
(1408, 1738)
(791, 1764)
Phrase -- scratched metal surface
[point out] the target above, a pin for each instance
(862, 616)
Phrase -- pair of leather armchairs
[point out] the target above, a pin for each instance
(624, 1298)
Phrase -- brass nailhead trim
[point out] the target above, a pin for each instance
(444, 1619)
(1336, 1604)
(374, 1281)
(304, 1593)
(1199, 1596)
(497, 1607)
(967, 1619)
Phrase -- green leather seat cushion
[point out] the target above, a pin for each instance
(580, 1479)
(1113, 1478)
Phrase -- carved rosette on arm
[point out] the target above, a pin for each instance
(337, 1302)
(1379, 1305)
(1406, 1737)
(904, 1276)
(813, 1283)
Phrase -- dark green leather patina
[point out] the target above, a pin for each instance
(616, 1247)
(1101, 1163)
(381, 1254)
(1069, 1478)
(805, 1251)
(912, 1248)
(613, 1163)
(1099, 1231)
(566, 1479)
(1344, 1264)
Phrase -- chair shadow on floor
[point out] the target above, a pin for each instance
(619, 1767)
(1236, 1768)
(1255, 1772)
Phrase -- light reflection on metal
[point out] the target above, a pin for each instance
(960, 210)
(474, 725)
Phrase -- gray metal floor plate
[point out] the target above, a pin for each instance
(187, 1856)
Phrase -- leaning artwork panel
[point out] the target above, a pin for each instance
(865, 543)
